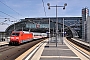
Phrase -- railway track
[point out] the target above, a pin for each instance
(5, 48)
(12, 52)
(85, 47)
(80, 52)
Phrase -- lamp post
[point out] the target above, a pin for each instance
(49, 30)
(63, 31)
(56, 18)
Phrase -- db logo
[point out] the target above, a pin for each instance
(37, 25)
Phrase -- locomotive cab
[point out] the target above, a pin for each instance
(18, 37)
(14, 38)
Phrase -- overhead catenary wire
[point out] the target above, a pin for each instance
(16, 11)
(11, 8)
(44, 8)
(44, 12)
(7, 14)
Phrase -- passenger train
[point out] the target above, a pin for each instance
(18, 37)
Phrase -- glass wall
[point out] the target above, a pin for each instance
(44, 23)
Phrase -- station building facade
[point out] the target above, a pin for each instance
(42, 24)
(77, 24)
(2, 32)
(85, 14)
(88, 29)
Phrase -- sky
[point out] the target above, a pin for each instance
(21, 9)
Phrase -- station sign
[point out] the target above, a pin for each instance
(37, 25)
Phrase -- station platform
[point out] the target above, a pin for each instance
(49, 51)
(4, 43)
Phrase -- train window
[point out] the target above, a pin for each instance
(36, 35)
(15, 34)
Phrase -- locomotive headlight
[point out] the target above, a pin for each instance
(17, 38)
(12, 37)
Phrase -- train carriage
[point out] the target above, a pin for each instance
(18, 37)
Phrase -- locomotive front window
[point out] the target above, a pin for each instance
(15, 34)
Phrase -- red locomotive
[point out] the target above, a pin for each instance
(18, 37)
